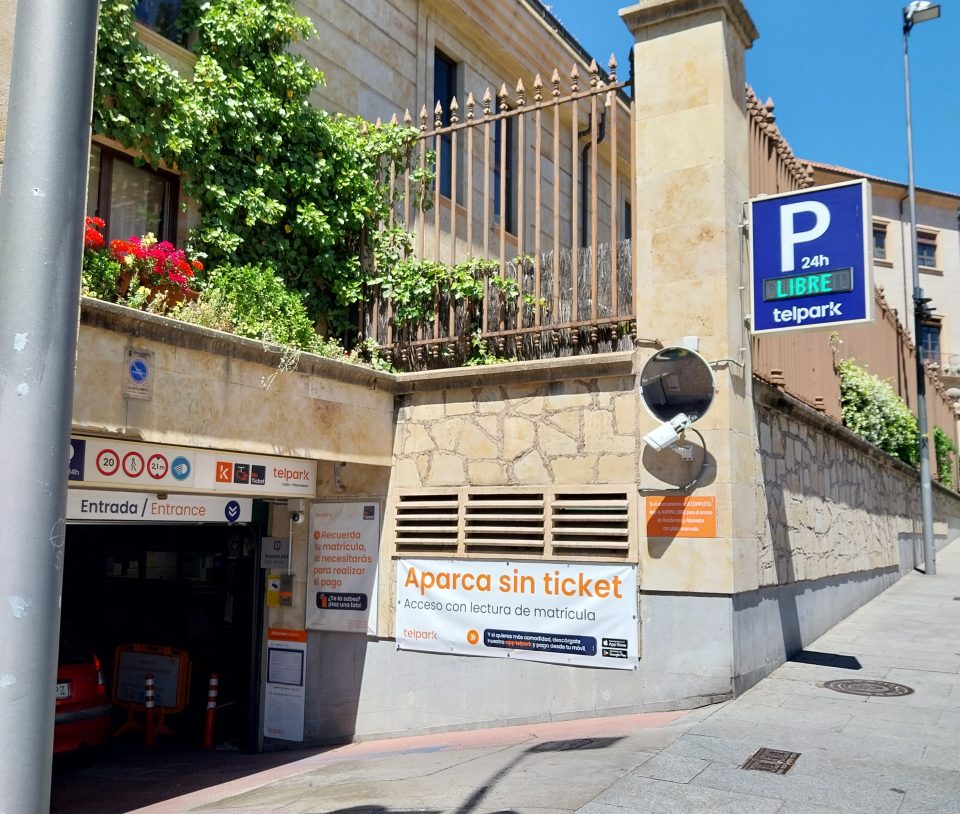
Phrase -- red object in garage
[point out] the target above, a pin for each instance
(83, 709)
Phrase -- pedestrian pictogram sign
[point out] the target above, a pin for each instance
(133, 464)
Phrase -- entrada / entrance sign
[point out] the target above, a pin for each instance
(810, 260)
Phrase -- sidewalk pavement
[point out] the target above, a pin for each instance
(876, 755)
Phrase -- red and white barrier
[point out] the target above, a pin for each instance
(149, 702)
(209, 741)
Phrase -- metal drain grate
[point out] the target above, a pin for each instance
(771, 760)
(863, 686)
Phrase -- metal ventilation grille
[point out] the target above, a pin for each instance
(427, 521)
(591, 521)
(504, 520)
(516, 522)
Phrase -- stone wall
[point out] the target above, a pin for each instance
(835, 504)
(842, 525)
(8, 21)
(579, 430)
(378, 57)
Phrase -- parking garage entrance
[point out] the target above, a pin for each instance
(183, 591)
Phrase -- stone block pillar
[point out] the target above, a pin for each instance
(691, 181)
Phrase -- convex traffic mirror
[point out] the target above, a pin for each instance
(677, 387)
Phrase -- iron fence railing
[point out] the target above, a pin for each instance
(530, 201)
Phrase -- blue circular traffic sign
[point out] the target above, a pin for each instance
(232, 511)
(139, 371)
(180, 468)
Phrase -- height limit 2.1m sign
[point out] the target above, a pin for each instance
(810, 258)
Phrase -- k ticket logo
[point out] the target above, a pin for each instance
(244, 474)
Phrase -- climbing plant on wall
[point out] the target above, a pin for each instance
(874, 411)
(280, 184)
(945, 450)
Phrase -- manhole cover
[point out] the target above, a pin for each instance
(771, 760)
(860, 686)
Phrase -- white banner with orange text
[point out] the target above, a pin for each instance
(343, 557)
(563, 613)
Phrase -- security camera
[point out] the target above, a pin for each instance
(296, 517)
(668, 433)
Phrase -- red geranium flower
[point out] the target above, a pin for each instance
(92, 238)
(155, 262)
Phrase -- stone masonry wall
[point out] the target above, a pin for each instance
(581, 431)
(835, 504)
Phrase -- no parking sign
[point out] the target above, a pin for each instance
(138, 373)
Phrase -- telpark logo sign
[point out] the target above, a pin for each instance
(112, 463)
(811, 259)
(256, 474)
(293, 475)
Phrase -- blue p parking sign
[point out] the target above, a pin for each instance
(810, 259)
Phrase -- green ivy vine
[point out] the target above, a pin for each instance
(945, 450)
(281, 184)
(875, 412)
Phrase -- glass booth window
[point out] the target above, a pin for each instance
(131, 200)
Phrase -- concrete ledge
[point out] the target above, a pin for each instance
(649, 13)
(597, 366)
(109, 316)
(141, 324)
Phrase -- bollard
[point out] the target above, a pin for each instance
(208, 739)
(150, 739)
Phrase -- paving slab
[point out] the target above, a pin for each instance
(641, 795)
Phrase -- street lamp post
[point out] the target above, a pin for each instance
(917, 12)
(41, 230)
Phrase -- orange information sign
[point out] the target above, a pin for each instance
(286, 634)
(672, 516)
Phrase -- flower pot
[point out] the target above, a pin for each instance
(172, 294)
(123, 283)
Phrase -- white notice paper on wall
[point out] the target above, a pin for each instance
(286, 684)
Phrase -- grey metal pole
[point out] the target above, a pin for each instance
(42, 201)
(919, 309)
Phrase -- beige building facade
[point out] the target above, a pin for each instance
(938, 261)
(770, 524)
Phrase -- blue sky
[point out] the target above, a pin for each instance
(835, 72)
